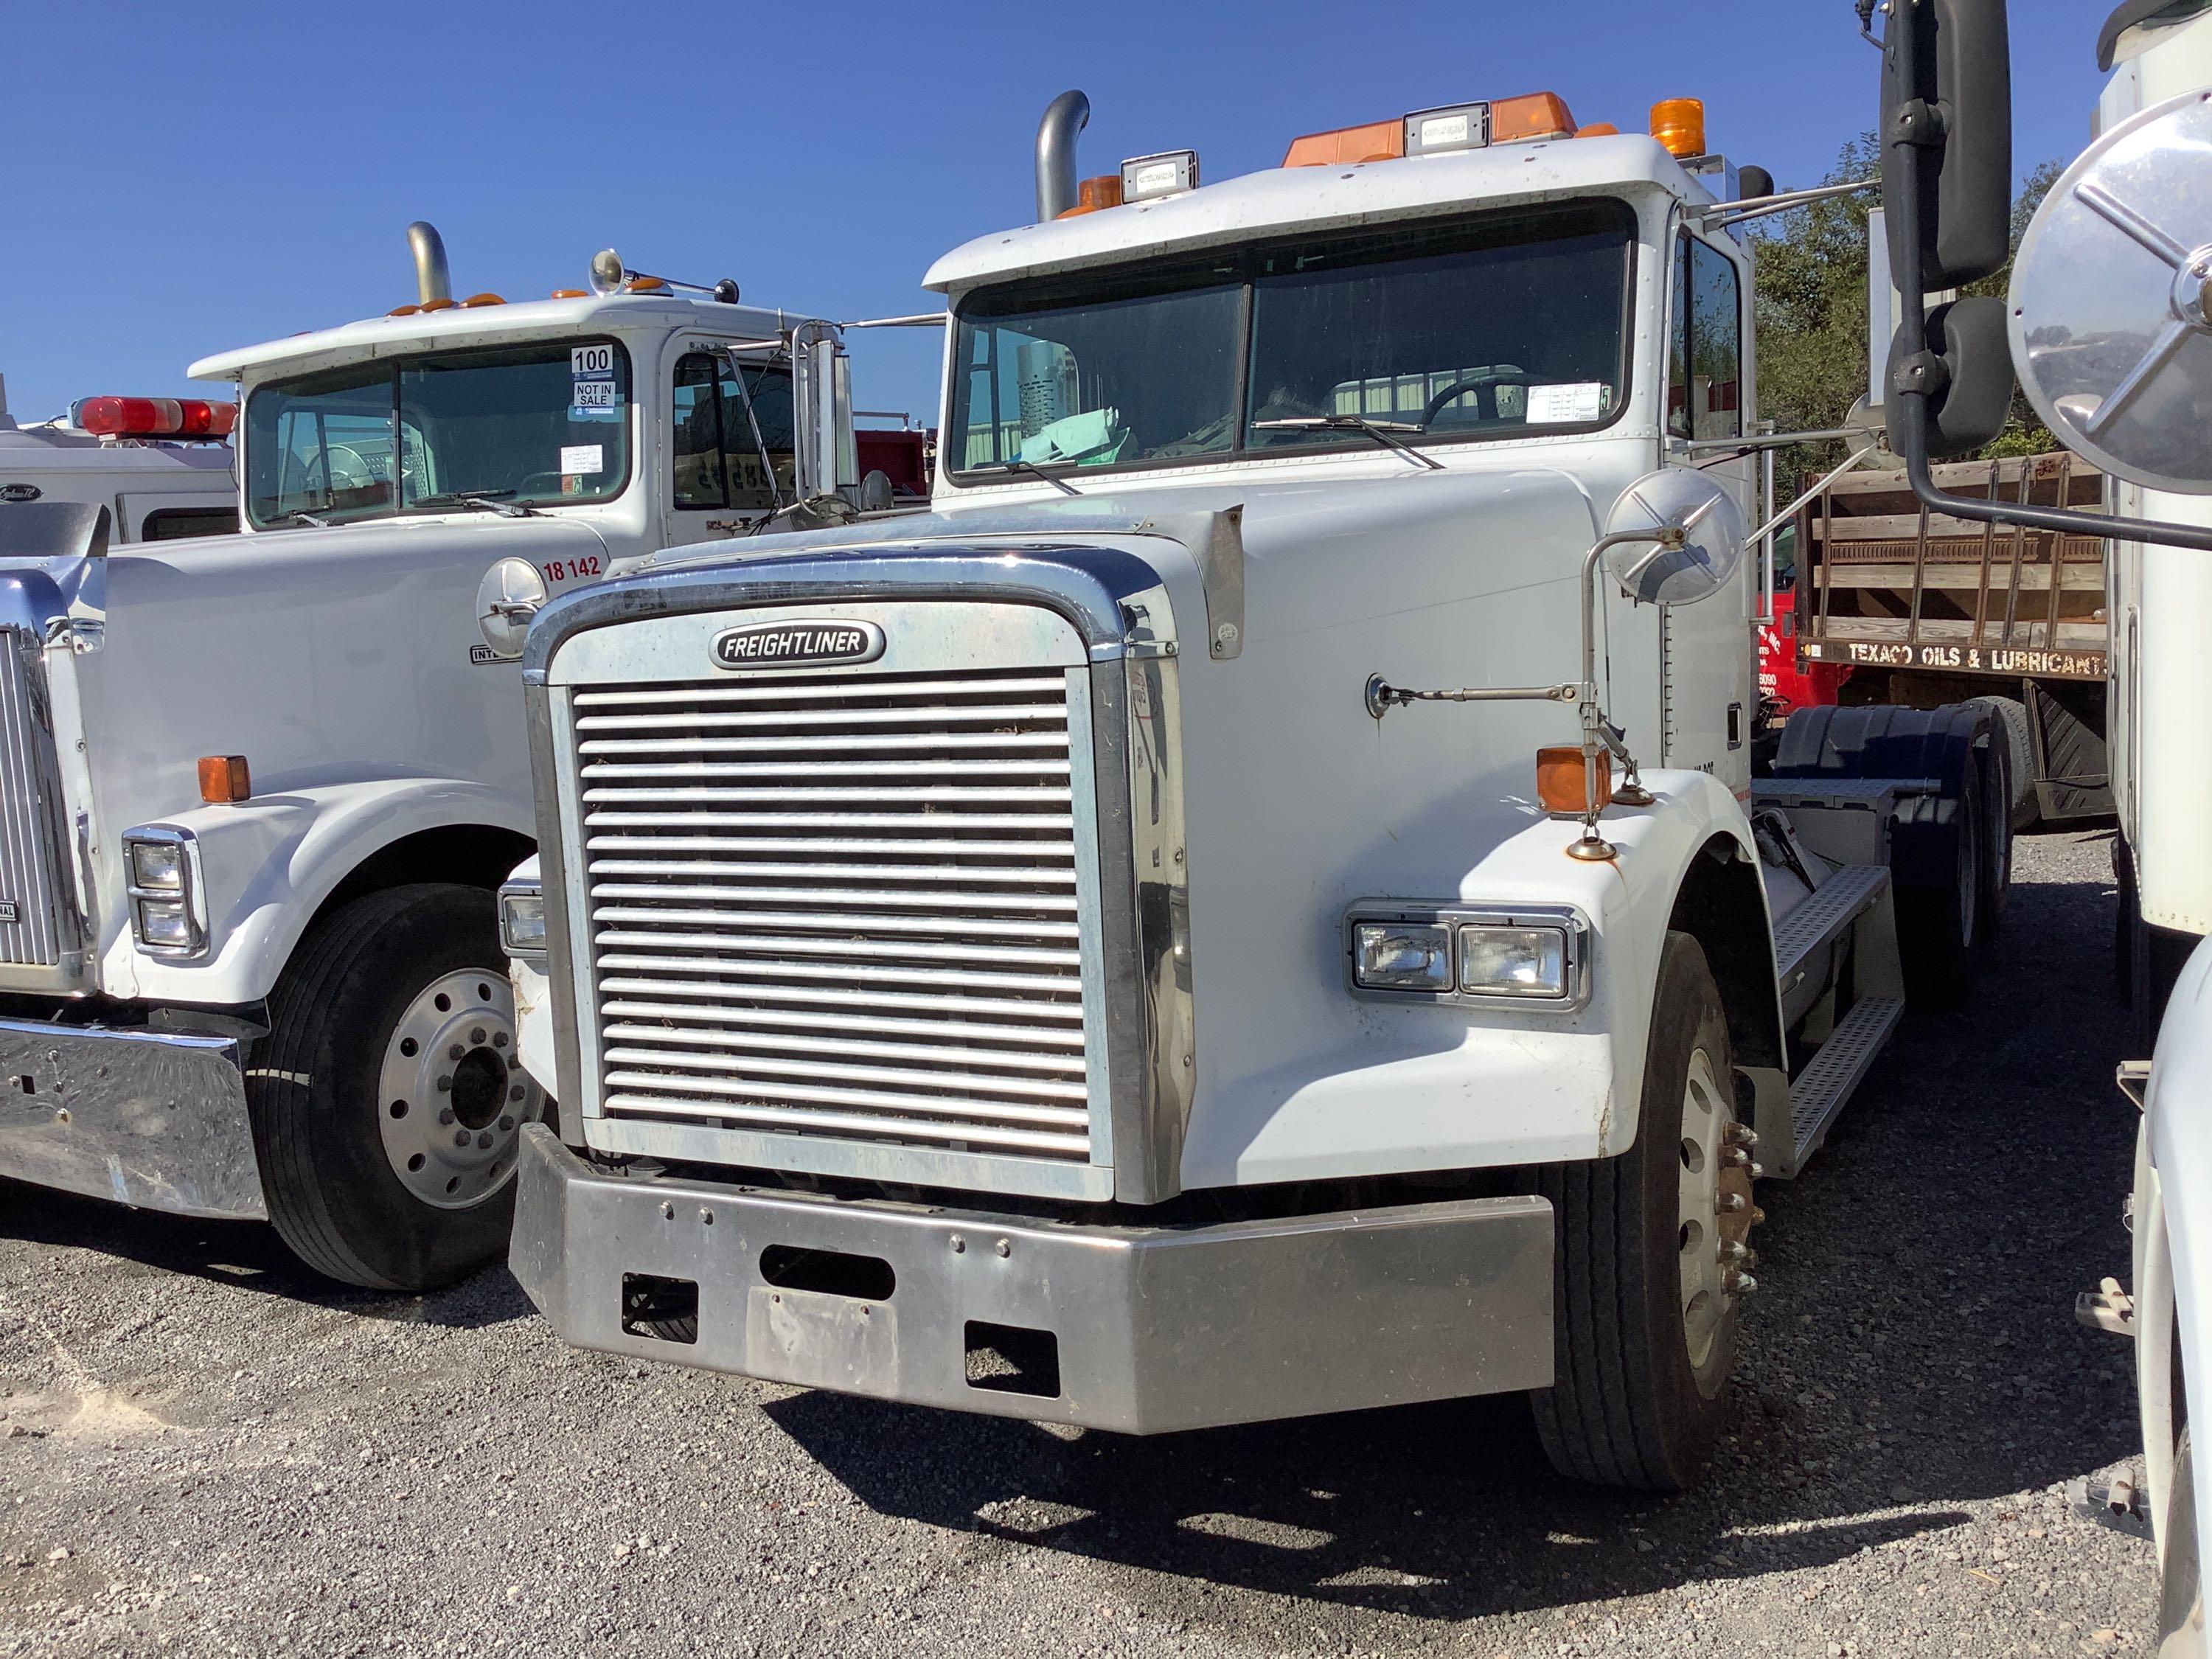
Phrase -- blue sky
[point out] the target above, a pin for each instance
(196, 176)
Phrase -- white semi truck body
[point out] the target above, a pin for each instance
(1051, 957)
(259, 786)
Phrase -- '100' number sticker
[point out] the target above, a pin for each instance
(591, 362)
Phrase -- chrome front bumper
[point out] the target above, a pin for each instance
(1138, 1329)
(153, 1119)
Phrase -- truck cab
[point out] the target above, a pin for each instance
(1066, 954)
(260, 787)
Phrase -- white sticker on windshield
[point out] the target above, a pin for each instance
(597, 394)
(1561, 405)
(591, 362)
(583, 460)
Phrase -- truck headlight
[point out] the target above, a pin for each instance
(1513, 962)
(1390, 956)
(522, 919)
(169, 900)
(1412, 952)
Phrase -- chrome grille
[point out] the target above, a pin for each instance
(843, 906)
(32, 819)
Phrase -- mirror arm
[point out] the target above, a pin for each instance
(1723, 215)
(1909, 393)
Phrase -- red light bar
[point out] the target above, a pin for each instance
(154, 417)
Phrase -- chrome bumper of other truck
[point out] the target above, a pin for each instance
(153, 1119)
(1138, 1329)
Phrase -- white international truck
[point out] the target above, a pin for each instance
(1177, 935)
(256, 790)
(160, 465)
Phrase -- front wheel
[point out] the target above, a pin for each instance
(388, 1097)
(1650, 1266)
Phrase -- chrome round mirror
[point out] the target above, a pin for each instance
(511, 592)
(2111, 309)
(1711, 551)
(607, 272)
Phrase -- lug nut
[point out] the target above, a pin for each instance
(484, 1142)
(460, 1136)
(506, 1125)
(1738, 1136)
(446, 1084)
(515, 1093)
(499, 1040)
(455, 1052)
(1740, 1255)
(1731, 1204)
(476, 1035)
(1736, 1282)
(446, 1117)
(1757, 1215)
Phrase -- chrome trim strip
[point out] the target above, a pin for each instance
(193, 892)
(545, 719)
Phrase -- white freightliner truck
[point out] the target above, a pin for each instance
(1053, 956)
(257, 789)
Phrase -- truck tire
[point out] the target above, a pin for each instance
(387, 1099)
(1644, 1327)
(2008, 728)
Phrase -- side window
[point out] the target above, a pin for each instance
(168, 524)
(697, 428)
(717, 455)
(1716, 377)
(1678, 346)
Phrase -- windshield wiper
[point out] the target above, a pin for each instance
(300, 515)
(1035, 471)
(1381, 431)
(480, 501)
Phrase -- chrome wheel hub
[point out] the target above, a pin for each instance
(1714, 1213)
(453, 1095)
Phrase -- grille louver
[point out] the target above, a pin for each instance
(839, 905)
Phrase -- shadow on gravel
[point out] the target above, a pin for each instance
(1913, 1349)
(244, 1255)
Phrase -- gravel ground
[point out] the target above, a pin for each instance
(207, 1451)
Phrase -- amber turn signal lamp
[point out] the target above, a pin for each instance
(1679, 125)
(1524, 120)
(224, 778)
(570, 294)
(1559, 782)
(481, 300)
(1598, 129)
(1377, 141)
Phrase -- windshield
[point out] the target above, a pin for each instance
(540, 425)
(1506, 325)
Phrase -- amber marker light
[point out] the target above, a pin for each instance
(224, 779)
(1560, 781)
(1679, 125)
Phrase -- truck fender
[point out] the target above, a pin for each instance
(1670, 874)
(268, 864)
(2173, 1233)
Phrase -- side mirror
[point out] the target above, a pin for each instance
(606, 274)
(2111, 309)
(1968, 375)
(512, 593)
(1659, 568)
(1947, 138)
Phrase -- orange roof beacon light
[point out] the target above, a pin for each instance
(225, 780)
(1679, 125)
(1102, 191)
(1377, 141)
(1148, 178)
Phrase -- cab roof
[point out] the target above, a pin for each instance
(1287, 199)
(491, 324)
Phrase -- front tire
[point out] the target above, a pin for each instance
(387, 1099)
(1650, 1268)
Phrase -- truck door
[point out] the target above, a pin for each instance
(730, 446)
(1706, 650)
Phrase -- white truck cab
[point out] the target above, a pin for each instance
(160, 465)
(259, 788)
(1072, 955)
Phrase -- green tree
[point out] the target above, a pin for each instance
(1811, 309)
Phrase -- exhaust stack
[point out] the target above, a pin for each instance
(1064, 118)
(433, 280)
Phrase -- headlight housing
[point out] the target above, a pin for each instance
(169, 899)
(522, 919)
(1537, 956)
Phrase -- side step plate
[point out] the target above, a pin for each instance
(1833, 907)
(1817, 1094)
